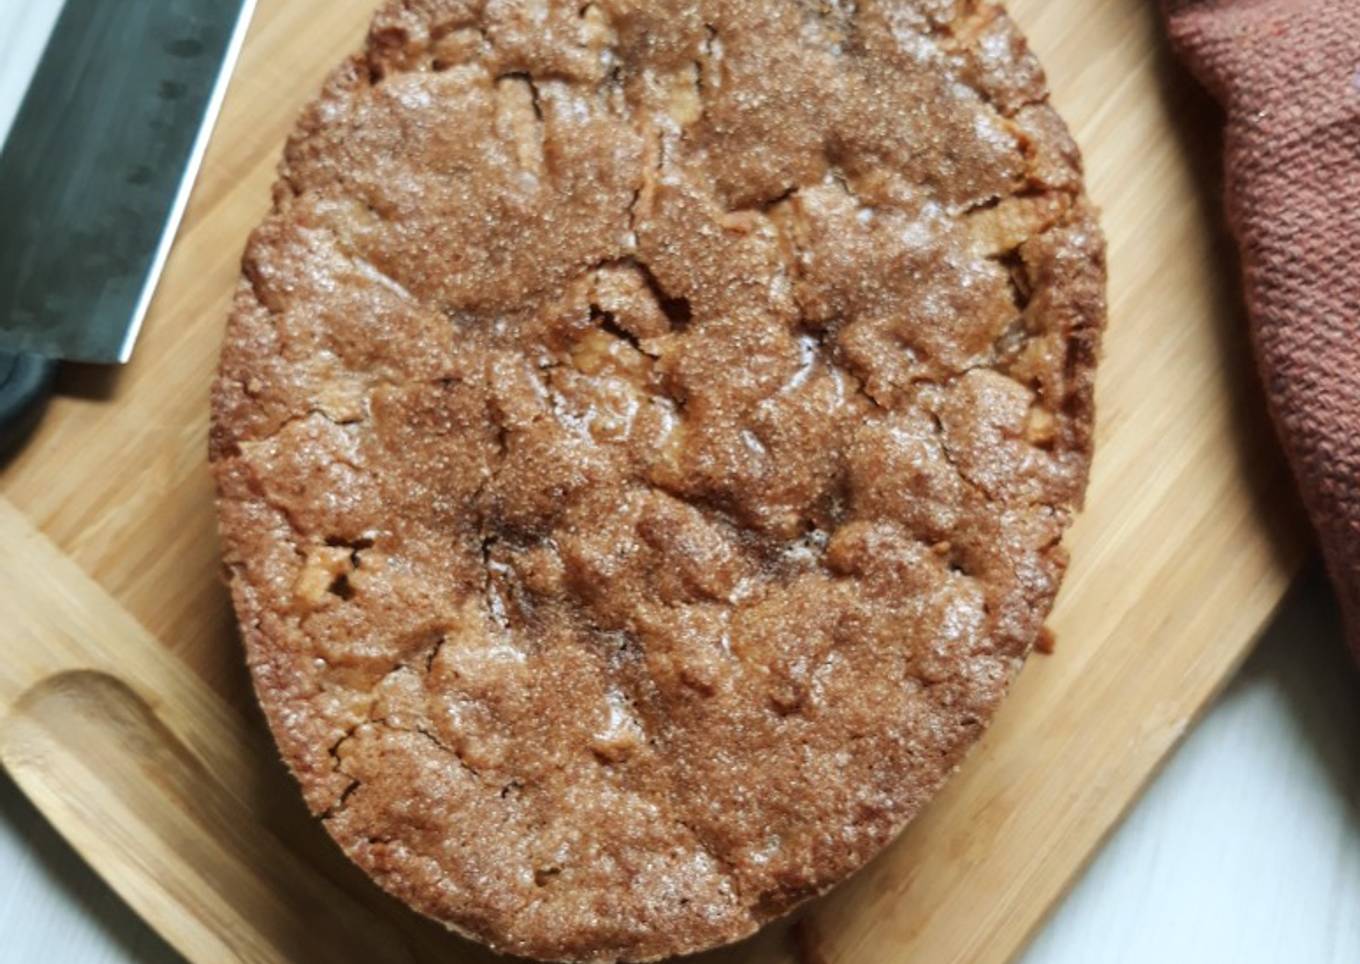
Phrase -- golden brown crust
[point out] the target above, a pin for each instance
(644, 436)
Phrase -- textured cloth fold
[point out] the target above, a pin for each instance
(1288, 74)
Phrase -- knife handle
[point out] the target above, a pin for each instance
(25, 384)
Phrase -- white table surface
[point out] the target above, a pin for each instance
(1245, 849)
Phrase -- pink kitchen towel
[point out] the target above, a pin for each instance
(1287, 73)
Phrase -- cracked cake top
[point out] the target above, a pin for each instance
(644, 436)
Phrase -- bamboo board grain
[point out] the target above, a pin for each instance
(125, 712)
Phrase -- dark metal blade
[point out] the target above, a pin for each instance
(98, 166)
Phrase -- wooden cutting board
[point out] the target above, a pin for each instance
(125, 712)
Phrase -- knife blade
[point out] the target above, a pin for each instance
(96, 172)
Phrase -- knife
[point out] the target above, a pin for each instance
(94, 178)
